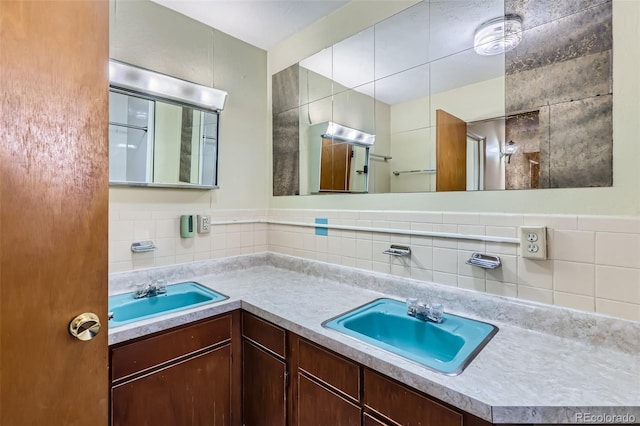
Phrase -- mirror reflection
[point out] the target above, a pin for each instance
(156, 143)
(455, 107)
(337, 159)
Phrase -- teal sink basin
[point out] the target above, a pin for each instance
(126, 308)
(447, 347)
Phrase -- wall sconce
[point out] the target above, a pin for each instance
(508, 150)
(498, 35)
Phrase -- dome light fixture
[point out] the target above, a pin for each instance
(498, 35)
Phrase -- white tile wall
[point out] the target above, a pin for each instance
(593, 265)
(163, 228)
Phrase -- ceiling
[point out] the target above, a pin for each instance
(262, 23)
(437, 30)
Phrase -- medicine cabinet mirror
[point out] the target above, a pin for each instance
(158, 139)
(530, 107)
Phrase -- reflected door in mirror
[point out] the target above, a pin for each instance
(335, 165)
(451, 152)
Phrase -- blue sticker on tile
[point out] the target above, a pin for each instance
(322, 231)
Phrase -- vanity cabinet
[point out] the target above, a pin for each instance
(333, 390)
(264, 373)
(234, 370)
(186, 375)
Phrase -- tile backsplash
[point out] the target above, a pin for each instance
(593, 261)
(163, 228)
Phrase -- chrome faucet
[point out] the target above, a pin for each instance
(426, 312)
(150, 289)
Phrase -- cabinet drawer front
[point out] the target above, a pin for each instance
(317, 406)
(144, 354)
(404, 406)
(264, 333)
(331, 369)
(368, 420)
(195, 392)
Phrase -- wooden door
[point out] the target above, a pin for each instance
(335, 165)
(264, 388)
(451, 152)
(53, 210)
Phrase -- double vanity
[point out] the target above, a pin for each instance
(269, 339)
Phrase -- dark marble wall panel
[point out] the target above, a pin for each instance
(577, 35)
(562, 71)
(538, 12)
(524, 130)
(186, 142)
(544, 117)
(580, 78)
(581, 143)
(286, 153)
(285, 88)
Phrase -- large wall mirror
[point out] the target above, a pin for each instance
(163, 138)
(460, 95)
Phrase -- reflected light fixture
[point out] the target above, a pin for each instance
(508, 150)
(498, 35)
(348, 135)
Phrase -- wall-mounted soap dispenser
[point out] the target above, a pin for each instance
(187, 226)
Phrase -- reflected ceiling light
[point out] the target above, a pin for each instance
(498, 35)
(131, 78)
(508, 150)
(348, 135)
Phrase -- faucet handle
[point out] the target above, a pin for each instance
(161, 286)
(436, 312)
(140, 290)
(412, 306)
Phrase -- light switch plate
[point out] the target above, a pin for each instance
(533, 242)
(204, 224)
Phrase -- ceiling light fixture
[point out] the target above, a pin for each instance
(498, 35)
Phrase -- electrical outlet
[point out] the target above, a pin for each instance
(533, 242)
(204, 224)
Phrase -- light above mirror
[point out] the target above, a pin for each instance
(348, 135)
(140, 80)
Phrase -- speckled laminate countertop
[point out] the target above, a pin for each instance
(545, 365)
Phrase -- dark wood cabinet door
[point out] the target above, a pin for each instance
(318, 406)
(264, 400)
(195, 392)
(403, 405)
